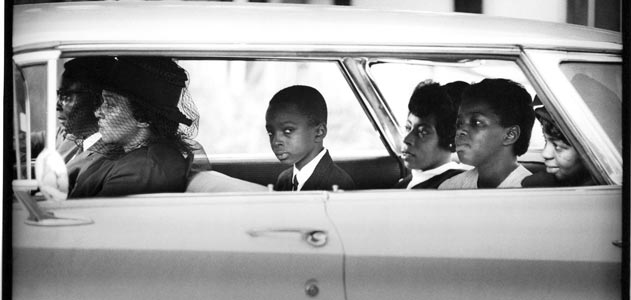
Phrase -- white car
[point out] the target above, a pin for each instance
(216, 241)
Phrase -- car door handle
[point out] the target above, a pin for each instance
(618, 243)
(314, 237)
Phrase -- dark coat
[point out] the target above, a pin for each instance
(544, 179)
(157, 168)
(431, 183)
(324, 176)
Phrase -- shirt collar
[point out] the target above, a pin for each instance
(419, 176)
(304, 174)
(91, 140)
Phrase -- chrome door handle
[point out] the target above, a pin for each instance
(314, 237)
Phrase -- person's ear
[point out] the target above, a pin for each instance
(320, 132)
(511, 135)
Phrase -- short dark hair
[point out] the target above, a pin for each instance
(455, 89)
(510, 101)
(430, 99)
(307, 100)
(549, 126)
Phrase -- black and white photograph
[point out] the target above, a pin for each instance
(316, 149)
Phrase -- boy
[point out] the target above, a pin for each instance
(296, 124)
(494, 125)
(428, 144)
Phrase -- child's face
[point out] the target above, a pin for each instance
(479, 135)
(420, 146)
(291, 137)
(561, 159)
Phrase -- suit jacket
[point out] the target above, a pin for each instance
(156, 168)
(324, 176)
(431, 183)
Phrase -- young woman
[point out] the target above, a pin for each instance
(494, 125)
(429, 142)
(564, 165)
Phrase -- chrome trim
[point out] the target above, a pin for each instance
(291, 50)
(356, 68)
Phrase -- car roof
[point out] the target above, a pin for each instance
(41, 26)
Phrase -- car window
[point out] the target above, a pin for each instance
(600, 86)
(30, 115)
(397, 80)
(232, 97)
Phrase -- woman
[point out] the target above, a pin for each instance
(428, 144)
(564, 166)
(140, 115)
(494, 125)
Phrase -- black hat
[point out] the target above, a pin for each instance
(91, 69)
(156, 82)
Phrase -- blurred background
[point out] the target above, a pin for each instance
(605, 14)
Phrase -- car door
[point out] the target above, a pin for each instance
(160, 246)
(175, 246)
(544, 243)
(480, 244)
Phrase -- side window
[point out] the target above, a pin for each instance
(232, 97)
(29, 117)
(600, 86)
(397, 80)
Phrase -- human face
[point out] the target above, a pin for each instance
(420, 146)
(116, 122)
(561, 159)
(479, 135)
(291, 137)
(69, 98)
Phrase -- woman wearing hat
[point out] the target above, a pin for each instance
(140, 115)
(564, 165)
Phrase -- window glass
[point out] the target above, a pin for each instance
(29, 84)
(397, 80)
(232, 97)
(600, 86)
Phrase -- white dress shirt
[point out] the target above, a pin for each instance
(304, 174)
(419, 176)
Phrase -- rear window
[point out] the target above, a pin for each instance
(600, 86)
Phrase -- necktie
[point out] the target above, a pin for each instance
(294, 184)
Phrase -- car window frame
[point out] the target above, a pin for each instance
(588, 137)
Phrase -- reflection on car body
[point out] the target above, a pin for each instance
(551, 243)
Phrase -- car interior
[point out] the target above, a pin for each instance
(231, 96)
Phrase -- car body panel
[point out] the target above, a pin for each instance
(483, 244)
(154, 247)
(134, 23)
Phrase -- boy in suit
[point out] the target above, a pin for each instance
(296, 121)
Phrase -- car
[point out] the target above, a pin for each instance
(224, 239)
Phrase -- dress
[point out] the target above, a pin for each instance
(156, 168)
(469, 179)
(325, 175)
